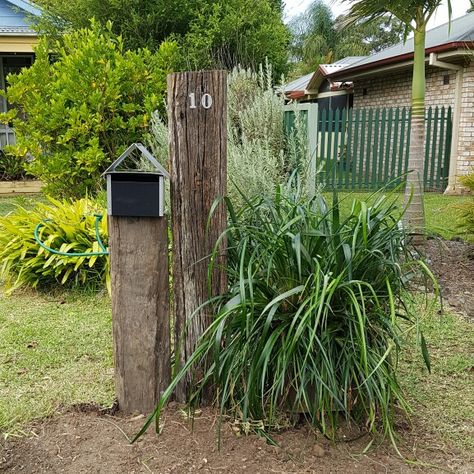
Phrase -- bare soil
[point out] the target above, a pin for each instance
(453, 264)
(91, 442)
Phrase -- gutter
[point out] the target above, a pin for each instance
(400, 58)
(453, 161)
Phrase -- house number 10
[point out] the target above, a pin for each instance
(206, 101)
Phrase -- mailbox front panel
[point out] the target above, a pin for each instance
(130, 196)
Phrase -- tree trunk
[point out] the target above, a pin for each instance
(414, 217)
(197, 108)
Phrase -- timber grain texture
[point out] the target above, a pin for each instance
(20, 187)
(140, 310)
(198, 168)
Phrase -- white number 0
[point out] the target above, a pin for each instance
(206, 101)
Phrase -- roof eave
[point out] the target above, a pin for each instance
(31, 34)
(349, 72)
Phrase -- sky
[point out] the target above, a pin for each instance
(294, 7)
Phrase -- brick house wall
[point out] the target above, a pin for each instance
(394, 90)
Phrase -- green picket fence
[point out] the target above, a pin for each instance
(365, 149)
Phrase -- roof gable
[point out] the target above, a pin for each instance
(15, 17)
(26, 6)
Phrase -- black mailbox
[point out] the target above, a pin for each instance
(135, 193)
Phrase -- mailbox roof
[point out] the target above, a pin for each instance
(143, 150)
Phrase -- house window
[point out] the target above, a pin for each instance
(12, 64)
(365, 91)
(446, 79)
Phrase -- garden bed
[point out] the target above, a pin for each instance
(85, 442)
(20, 187)
(452, 261)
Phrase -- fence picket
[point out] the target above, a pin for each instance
(349, 149)
(429, 154)
(442, 174)
(436, 153)
(329, 156)
(441, 140)
(395, 153)
(388, 146)
(322, 139)
(368, 141)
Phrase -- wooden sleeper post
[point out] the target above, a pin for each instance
(197, 119)
(138, 242)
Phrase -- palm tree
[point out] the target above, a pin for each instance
(414, 14)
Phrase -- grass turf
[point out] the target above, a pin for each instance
(441, 212)
(9, 203)
(443, 401)
(55, 351)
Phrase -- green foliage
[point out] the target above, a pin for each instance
(12, 167)
(413, 14)
(81, 111)
(311, 319)
(256, 140)
(68, 227)
(211, 33)
(228, 33)
(467, 210)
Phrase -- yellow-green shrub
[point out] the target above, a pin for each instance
(69, 226)
(78, 113)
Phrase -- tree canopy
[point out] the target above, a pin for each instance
(318, 37)
(210, 33)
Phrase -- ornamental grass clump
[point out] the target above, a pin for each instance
(311, 321)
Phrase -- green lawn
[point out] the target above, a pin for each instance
(441, 212)
(9, 203)
(55, 351)
(443, 401)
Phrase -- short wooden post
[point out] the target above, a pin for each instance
(140, 310)
(197, 113)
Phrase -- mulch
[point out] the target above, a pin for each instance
(452, 262)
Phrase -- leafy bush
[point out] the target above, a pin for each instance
(76, 114)
(467, 210)
(211, 33)
(311, 320)
(12, 167)
(68, 227)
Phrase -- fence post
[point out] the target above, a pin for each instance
(197, 116)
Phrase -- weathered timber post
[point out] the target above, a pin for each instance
(197, 117)
(138, 242)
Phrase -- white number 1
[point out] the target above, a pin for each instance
(192, 96)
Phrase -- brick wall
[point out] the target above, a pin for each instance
(466, 126)
(394, 89)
